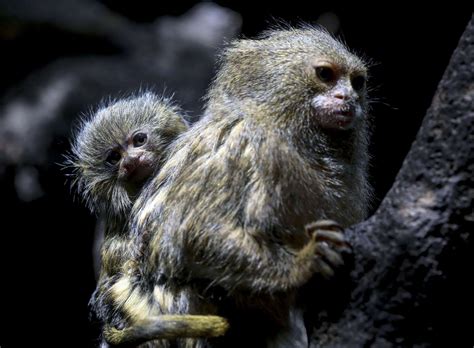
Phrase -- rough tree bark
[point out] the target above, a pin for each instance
(411, 284)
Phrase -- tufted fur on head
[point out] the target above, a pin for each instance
(94, 178)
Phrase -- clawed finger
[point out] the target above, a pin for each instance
(323, 225)
(330, 255)
(330, 237)
(323, 268)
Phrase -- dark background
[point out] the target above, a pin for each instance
(46, 248)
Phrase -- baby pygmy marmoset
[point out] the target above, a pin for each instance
(115, 152)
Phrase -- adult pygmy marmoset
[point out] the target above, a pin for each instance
(282, 144)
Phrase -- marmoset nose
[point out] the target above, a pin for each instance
(342, 91)
(341, 94)
(130, 163)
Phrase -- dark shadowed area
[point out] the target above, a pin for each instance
(62, 57)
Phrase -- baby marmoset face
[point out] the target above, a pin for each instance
(119, 147)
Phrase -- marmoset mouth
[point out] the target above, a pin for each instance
(346, 113)
(141, 173)
(344, 117)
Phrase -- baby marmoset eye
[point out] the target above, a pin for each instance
(139, 139)
(114, 156)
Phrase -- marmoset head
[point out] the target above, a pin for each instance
(301, 75)
(119, 147)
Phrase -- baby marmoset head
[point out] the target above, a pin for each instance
(117, 148)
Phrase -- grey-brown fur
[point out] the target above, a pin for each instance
(234, 204)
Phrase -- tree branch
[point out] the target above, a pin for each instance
(412, 280)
